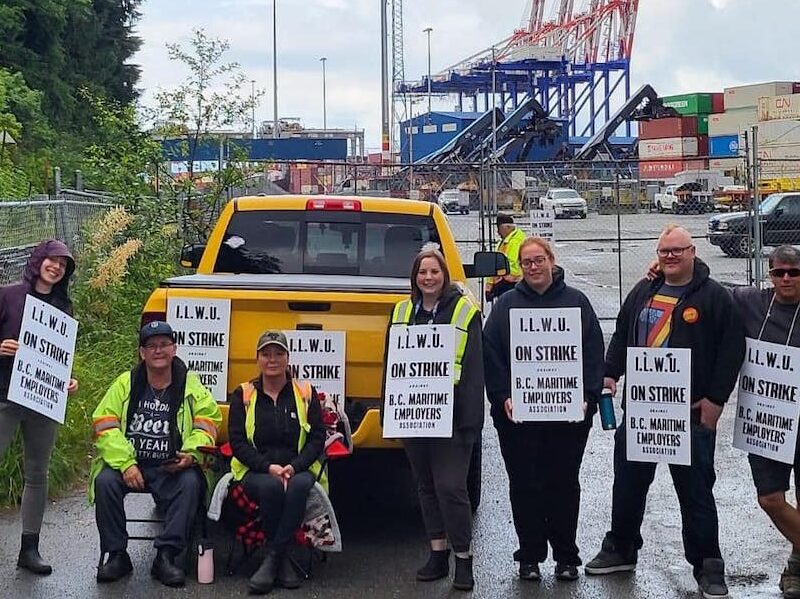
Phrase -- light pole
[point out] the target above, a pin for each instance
(323, 60)
(428, 31)
(275, 132)
(253, 104)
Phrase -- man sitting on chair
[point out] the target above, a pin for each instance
(147, 429)
(277, 436)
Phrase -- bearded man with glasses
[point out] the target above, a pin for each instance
(771, 315)
(682, 307)
(148, 429)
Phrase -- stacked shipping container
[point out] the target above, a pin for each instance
(668, 146)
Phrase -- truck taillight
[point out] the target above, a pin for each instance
(328, 204)
(148, 317)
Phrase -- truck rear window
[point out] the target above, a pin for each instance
(323, 242)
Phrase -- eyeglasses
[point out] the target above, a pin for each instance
(538, 261)
(779, 273)
(157, 346)
(677, 252)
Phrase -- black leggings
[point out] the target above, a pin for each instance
(282, 510)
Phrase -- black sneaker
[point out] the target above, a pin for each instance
(711, 579)
(610, 560)
(529, 571)
(790, 582)
(566, 572)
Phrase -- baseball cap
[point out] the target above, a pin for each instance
(157, 327)
(504, 219)
(272, 338)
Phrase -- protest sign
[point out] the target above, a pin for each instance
(546, 364)
(543, 224)
(43, 362)
(418, 397)
(319, 357)
(658, 398)
(202, 327)
(767, 409)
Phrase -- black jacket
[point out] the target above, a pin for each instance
(468, 406)
(716, 337)
(277, 431)
(497, 339)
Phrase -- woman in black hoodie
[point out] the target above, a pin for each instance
(46, 277)
(440, 465)
(543, 459)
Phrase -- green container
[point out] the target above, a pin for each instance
(689, 104)
(702, 124)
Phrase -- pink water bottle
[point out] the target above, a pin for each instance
(205, 562)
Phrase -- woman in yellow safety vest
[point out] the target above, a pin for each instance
(277, 436)
(440, 465)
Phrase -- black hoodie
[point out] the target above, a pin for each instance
(704, 320)
(497, 339)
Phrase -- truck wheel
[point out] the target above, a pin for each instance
(742, 248)
(474, 474)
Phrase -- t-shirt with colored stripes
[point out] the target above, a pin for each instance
(655, 319)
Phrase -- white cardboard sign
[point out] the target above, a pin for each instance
(768, 403)
(658, 401)
(319, 358)
(43, 362)
(546, 364)
(418, 397)
(543, 224)
(202, 328)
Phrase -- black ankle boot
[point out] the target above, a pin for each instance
(29, 557)
(463, 580)
(287, 574)
(263, 580)
(437, 566)
(165, 571)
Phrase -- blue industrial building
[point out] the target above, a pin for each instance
(426, 133)
(284, 149)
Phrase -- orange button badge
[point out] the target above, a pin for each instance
(691, 315)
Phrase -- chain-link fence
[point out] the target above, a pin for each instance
(24, 224)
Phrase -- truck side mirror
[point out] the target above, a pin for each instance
(191, 254)
(487, 264)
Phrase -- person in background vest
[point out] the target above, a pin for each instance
(510, 240)
(543, 459)
(277, 436)
(440, 465)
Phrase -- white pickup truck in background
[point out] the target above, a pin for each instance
(564, 202)
(453, 201)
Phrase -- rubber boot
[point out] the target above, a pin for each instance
(437, 566)
(263, 580)
(29, 557)
(463, 580)
(287, 574)
(165, 571)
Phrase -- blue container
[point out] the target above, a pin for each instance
(607, 417)
(723, 146)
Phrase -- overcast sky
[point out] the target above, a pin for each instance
(680, 46)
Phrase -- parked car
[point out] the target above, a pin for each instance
(564, 202)
(779, 215)
(685, 198)
(454, 201)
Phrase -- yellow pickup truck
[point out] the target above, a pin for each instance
(318, 263)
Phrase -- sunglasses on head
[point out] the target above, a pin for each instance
(782, 272)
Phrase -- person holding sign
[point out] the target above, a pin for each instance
(148, 431)
(510, 239)
(277, 436)
(543, 459)
(46, 277)
(681, 308)
(771, 317)
(441, 465)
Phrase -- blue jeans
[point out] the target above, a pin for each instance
(694, 485)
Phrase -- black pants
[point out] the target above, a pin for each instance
(282, 510)
(440, 468)
(543, 461)
(181, 493)
(694, 485)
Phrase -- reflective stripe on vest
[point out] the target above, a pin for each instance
(463, 314)
(302, 395)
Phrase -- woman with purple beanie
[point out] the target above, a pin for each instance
(46, 278)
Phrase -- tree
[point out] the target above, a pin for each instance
(211, 98)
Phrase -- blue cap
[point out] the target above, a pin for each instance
(157, 327)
